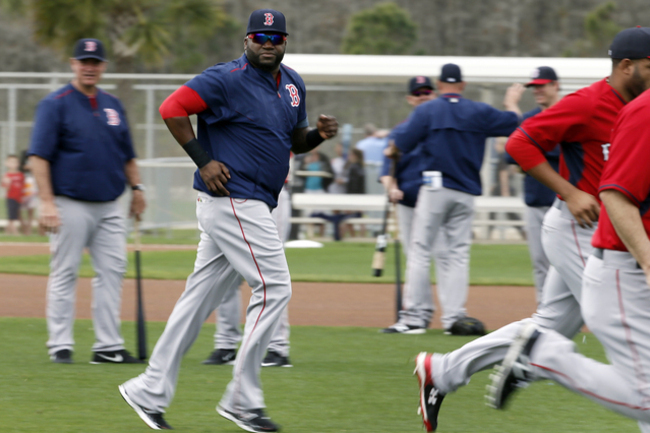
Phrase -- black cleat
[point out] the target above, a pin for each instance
(63, 356)
(274, 359)
(221, 357)
(154, 420)
(116, 357)
(400, 328)
(515, 371)
(430, 396)
(254, 420)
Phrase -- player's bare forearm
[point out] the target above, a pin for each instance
(132, 174)
(626, 219)
(181, 129)
(512, 97)
(326, 126)
(41, 172)
(583, 206)
(49, 214)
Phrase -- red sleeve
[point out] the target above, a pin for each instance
(182, 103)
(563, 122)
(524, 151)
(625, 169)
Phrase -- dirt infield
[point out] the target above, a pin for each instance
(320, 304)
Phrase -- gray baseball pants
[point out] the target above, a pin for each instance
(238, 237)
(100, 227)
(438, 211)
(568, 246)
(616, 307)
(228, 333)
(534, 220)
(405, 216)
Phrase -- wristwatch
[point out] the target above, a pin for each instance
(138, 187)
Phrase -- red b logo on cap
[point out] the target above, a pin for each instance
(90, 46)
(269, 19)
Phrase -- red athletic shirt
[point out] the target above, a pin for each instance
(15, 188)
(582, 123)
(627, 170)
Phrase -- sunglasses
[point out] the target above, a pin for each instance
(422, 92)
(261, 38)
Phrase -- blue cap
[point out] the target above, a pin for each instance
(267, 20)
(89, 49)
(451, 74)
(632, 43)
(418, 82)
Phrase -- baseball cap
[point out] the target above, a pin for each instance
(450, 73)
(89, 49)
(542, 75)
(267, 20)
(419, 82)
(632, 43)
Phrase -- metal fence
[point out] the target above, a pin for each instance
(171, 199)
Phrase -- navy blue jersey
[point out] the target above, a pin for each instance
(452, 131)
(87, 146)
(248, 125)
(536, 194)
(407, 172)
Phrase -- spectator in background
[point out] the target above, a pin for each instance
(354, 173)
(319, 164)
(503, 186)
(338, 163)
(373, 145)
(29, 201)
(356, 183)
(13, 181)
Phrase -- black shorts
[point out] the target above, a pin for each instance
(13, 209)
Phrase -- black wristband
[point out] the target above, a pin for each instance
(313, 138)
(197, 153)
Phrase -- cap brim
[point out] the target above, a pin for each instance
(538, 81)
(89, 56)
(266, 30)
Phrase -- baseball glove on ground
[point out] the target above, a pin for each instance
(467, 326)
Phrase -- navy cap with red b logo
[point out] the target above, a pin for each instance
(89, 49)
(419, 82)
(267, 20)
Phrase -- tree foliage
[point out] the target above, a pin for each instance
(143, 28)
(599, 30)
(384, 29)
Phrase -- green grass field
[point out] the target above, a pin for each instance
(344, 380)
(335, 262)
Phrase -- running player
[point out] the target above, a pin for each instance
(251, 114)
(616, 282)
(582, 123)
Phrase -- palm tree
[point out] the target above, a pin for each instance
(134, 30)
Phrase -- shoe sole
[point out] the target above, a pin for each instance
(218, 363)
(143, 416)
(408, 332)
(271, 364)
(230, 417)
(421, 373)
(493, 398)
